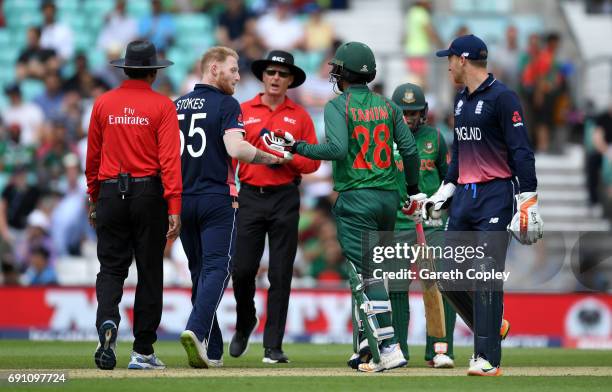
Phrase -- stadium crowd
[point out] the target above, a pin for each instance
(48, 101)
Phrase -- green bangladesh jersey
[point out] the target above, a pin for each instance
(360, 128)
(432, 170)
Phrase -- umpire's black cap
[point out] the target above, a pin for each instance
(282, 58)
(141, 54)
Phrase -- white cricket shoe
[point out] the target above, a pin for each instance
(215, 363)
(196, 350)
(390, 358)
(481, 367)
(442, 361)
(141, 361)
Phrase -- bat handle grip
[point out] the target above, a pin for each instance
(420, 234)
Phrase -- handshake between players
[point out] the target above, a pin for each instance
(526, 225)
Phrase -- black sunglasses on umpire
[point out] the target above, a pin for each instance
(282, 74)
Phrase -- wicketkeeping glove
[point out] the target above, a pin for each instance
(527, 226)
(278, 142)
(412, 206)
(432, 207)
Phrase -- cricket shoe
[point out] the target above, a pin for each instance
(196, 350)
(104, 356)
(274, 355)
(505, 329)
(240, 341)
(141, 361)
(390, 358)
(215, 363)
(481, 367)
(363, 356)
(442, 361)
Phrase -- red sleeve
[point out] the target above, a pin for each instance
(94, 154)
(301, 164)
(169, 144)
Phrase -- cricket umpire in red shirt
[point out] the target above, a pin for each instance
(269, 204)
(134, 184)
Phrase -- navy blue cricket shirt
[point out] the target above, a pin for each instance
(205, 115)
(490, 140)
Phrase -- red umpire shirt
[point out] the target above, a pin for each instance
(140, 137)
(289, 117)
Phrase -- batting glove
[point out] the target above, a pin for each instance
(412, 206)
(278, 142)
(527, 226)
(432, 207)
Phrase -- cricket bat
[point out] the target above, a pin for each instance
(432, 299)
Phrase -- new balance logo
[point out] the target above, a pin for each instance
(494, 220)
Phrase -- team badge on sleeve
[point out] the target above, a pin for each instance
(517, 120)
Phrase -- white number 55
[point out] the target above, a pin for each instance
(193, 130)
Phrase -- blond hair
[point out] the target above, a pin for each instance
(216, 54)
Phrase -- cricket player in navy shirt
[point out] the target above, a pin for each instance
(492, 165)
(212, 133)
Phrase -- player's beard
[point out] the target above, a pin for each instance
(225, 83)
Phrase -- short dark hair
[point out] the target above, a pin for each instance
(138, 73)
(478, 63)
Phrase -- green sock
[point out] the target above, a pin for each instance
(401, 317)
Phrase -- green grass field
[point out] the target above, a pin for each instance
(314, 368)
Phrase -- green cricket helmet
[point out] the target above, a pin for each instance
(353, 61)
(409, 96)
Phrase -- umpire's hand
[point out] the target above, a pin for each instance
(174, 226)
(91, 215)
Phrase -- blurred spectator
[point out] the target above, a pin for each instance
(233, 23)
(253, 50)
(10, 274)
(87, 107)
(547, 84)
(27, 116)
(599, 6)
(51, 154)
(112, 76)
(36, 236)
(119, 30)
(420, 38)
(280, 28)
(506, 60)
(83, 81)
(602, 141)
(461, 31)
(315, 93)
(194, 77)
(18, 200)
(71, 114)
(41, 272)
(55, 35)
(2, 18)
(13, 154)
(69, 217)
(162, 82)
(50, 101)
(158, 27)
(34, 61)
(319, 34)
